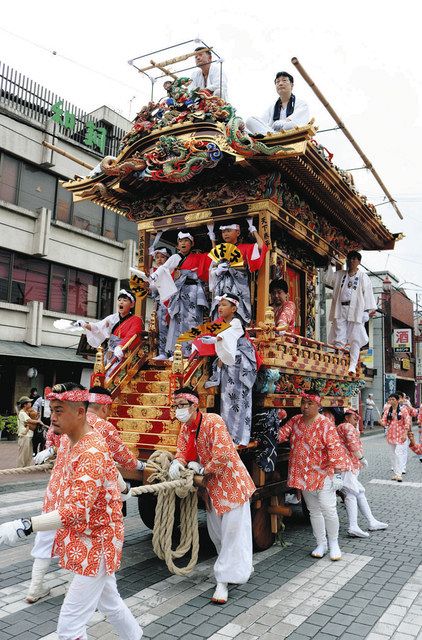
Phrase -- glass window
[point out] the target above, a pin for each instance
(127, 229)
(5, 259)
(9, 173)
(106, 297)
(88, 216)
(58, 288)
(82, 293)
(29, 280)
(110, 224)
(63, 205)
(36, 188)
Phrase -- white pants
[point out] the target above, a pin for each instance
(256, 125)
(402, 451)
(343, 332)
(322, 506)
(85, 595)
(397, 458)
(231, 534)
(43, 545)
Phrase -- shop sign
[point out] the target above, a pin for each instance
(94, 136)
(390, 384)
(402, 340)
(405, 364)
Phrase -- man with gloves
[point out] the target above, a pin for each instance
(316, 461)
(205, 446)
(352, 305)
(87, 519)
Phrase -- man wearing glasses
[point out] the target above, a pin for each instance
(352, 305)
(205, 446)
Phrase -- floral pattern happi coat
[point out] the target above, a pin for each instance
(89, 504)
(352, 444)
(396, 429)
(119, 451)
(316, 450)
(230, 485)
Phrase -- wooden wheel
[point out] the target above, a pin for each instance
(263, 537)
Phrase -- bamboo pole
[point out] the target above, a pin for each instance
(162, 68)
(64, 153)
(342, 126)
(181, 58)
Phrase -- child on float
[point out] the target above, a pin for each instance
(161, 256)
(234, 370)
(223, 277)
(284, 309)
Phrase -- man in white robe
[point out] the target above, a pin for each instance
(209, 75)
(287, 113)
(352, 305)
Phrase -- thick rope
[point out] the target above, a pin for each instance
(21, 470)
(164, 513)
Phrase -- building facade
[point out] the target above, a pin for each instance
(58, 258)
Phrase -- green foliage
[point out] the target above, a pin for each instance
(9, 424)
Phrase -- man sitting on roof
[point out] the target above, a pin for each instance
(208, 75)
(287, 113)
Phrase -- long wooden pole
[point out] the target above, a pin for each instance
(64, 153)
(342, 126)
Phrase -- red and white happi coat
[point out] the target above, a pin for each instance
(352, 444)
(315, 452)
(285, 315)
(89, 504)
(396, 429)
(119, 451)
(230, 484)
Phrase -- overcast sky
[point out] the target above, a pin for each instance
(364, 56)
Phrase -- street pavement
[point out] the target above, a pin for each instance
(374, 592)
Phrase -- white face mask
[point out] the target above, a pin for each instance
(183, 414)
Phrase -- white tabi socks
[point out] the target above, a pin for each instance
(36, 589)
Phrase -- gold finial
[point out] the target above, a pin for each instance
(177, 366)
(99, 361)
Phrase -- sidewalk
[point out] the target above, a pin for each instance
(8, 460)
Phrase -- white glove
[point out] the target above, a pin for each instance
(211, 233)
(118, 352)
(175, 468)
(139, 273)
(364, 462)
(125, 496)
(221, 268)
(337, 482)
(251, 226)
(79, 323)
(208, 339)
(365, 317)
(155, 243)
(277, 125)
(140, 465)
(196, 467)
(42, 456)
(11, 532)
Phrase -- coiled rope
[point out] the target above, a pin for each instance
(166, 491)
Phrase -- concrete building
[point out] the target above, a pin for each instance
(58, 259)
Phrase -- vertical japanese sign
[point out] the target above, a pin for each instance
(402, 340)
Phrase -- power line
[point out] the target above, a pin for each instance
(75, 62)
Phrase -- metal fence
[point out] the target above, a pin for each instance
(22, 95)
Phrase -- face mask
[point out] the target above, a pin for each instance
(183, 414)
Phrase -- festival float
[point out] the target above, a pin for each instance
(189, 161)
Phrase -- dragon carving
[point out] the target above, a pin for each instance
(246, 145)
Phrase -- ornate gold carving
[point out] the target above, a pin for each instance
(144, 412)
(145, 226)
(99, 361)
(177, 366)
(153, 399)
(169, 220)
(198, 216)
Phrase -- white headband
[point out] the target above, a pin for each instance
(182, 235)
(226, 296)
(129, 295)
(234, 227)
(162, 250)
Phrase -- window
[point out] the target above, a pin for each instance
(127, 230)
(63, 205)
(36, 188)
(29, 280)
(5, 259)
(58, 288)
(9, 175)
(88, 216)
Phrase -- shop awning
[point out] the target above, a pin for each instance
(59, 354)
